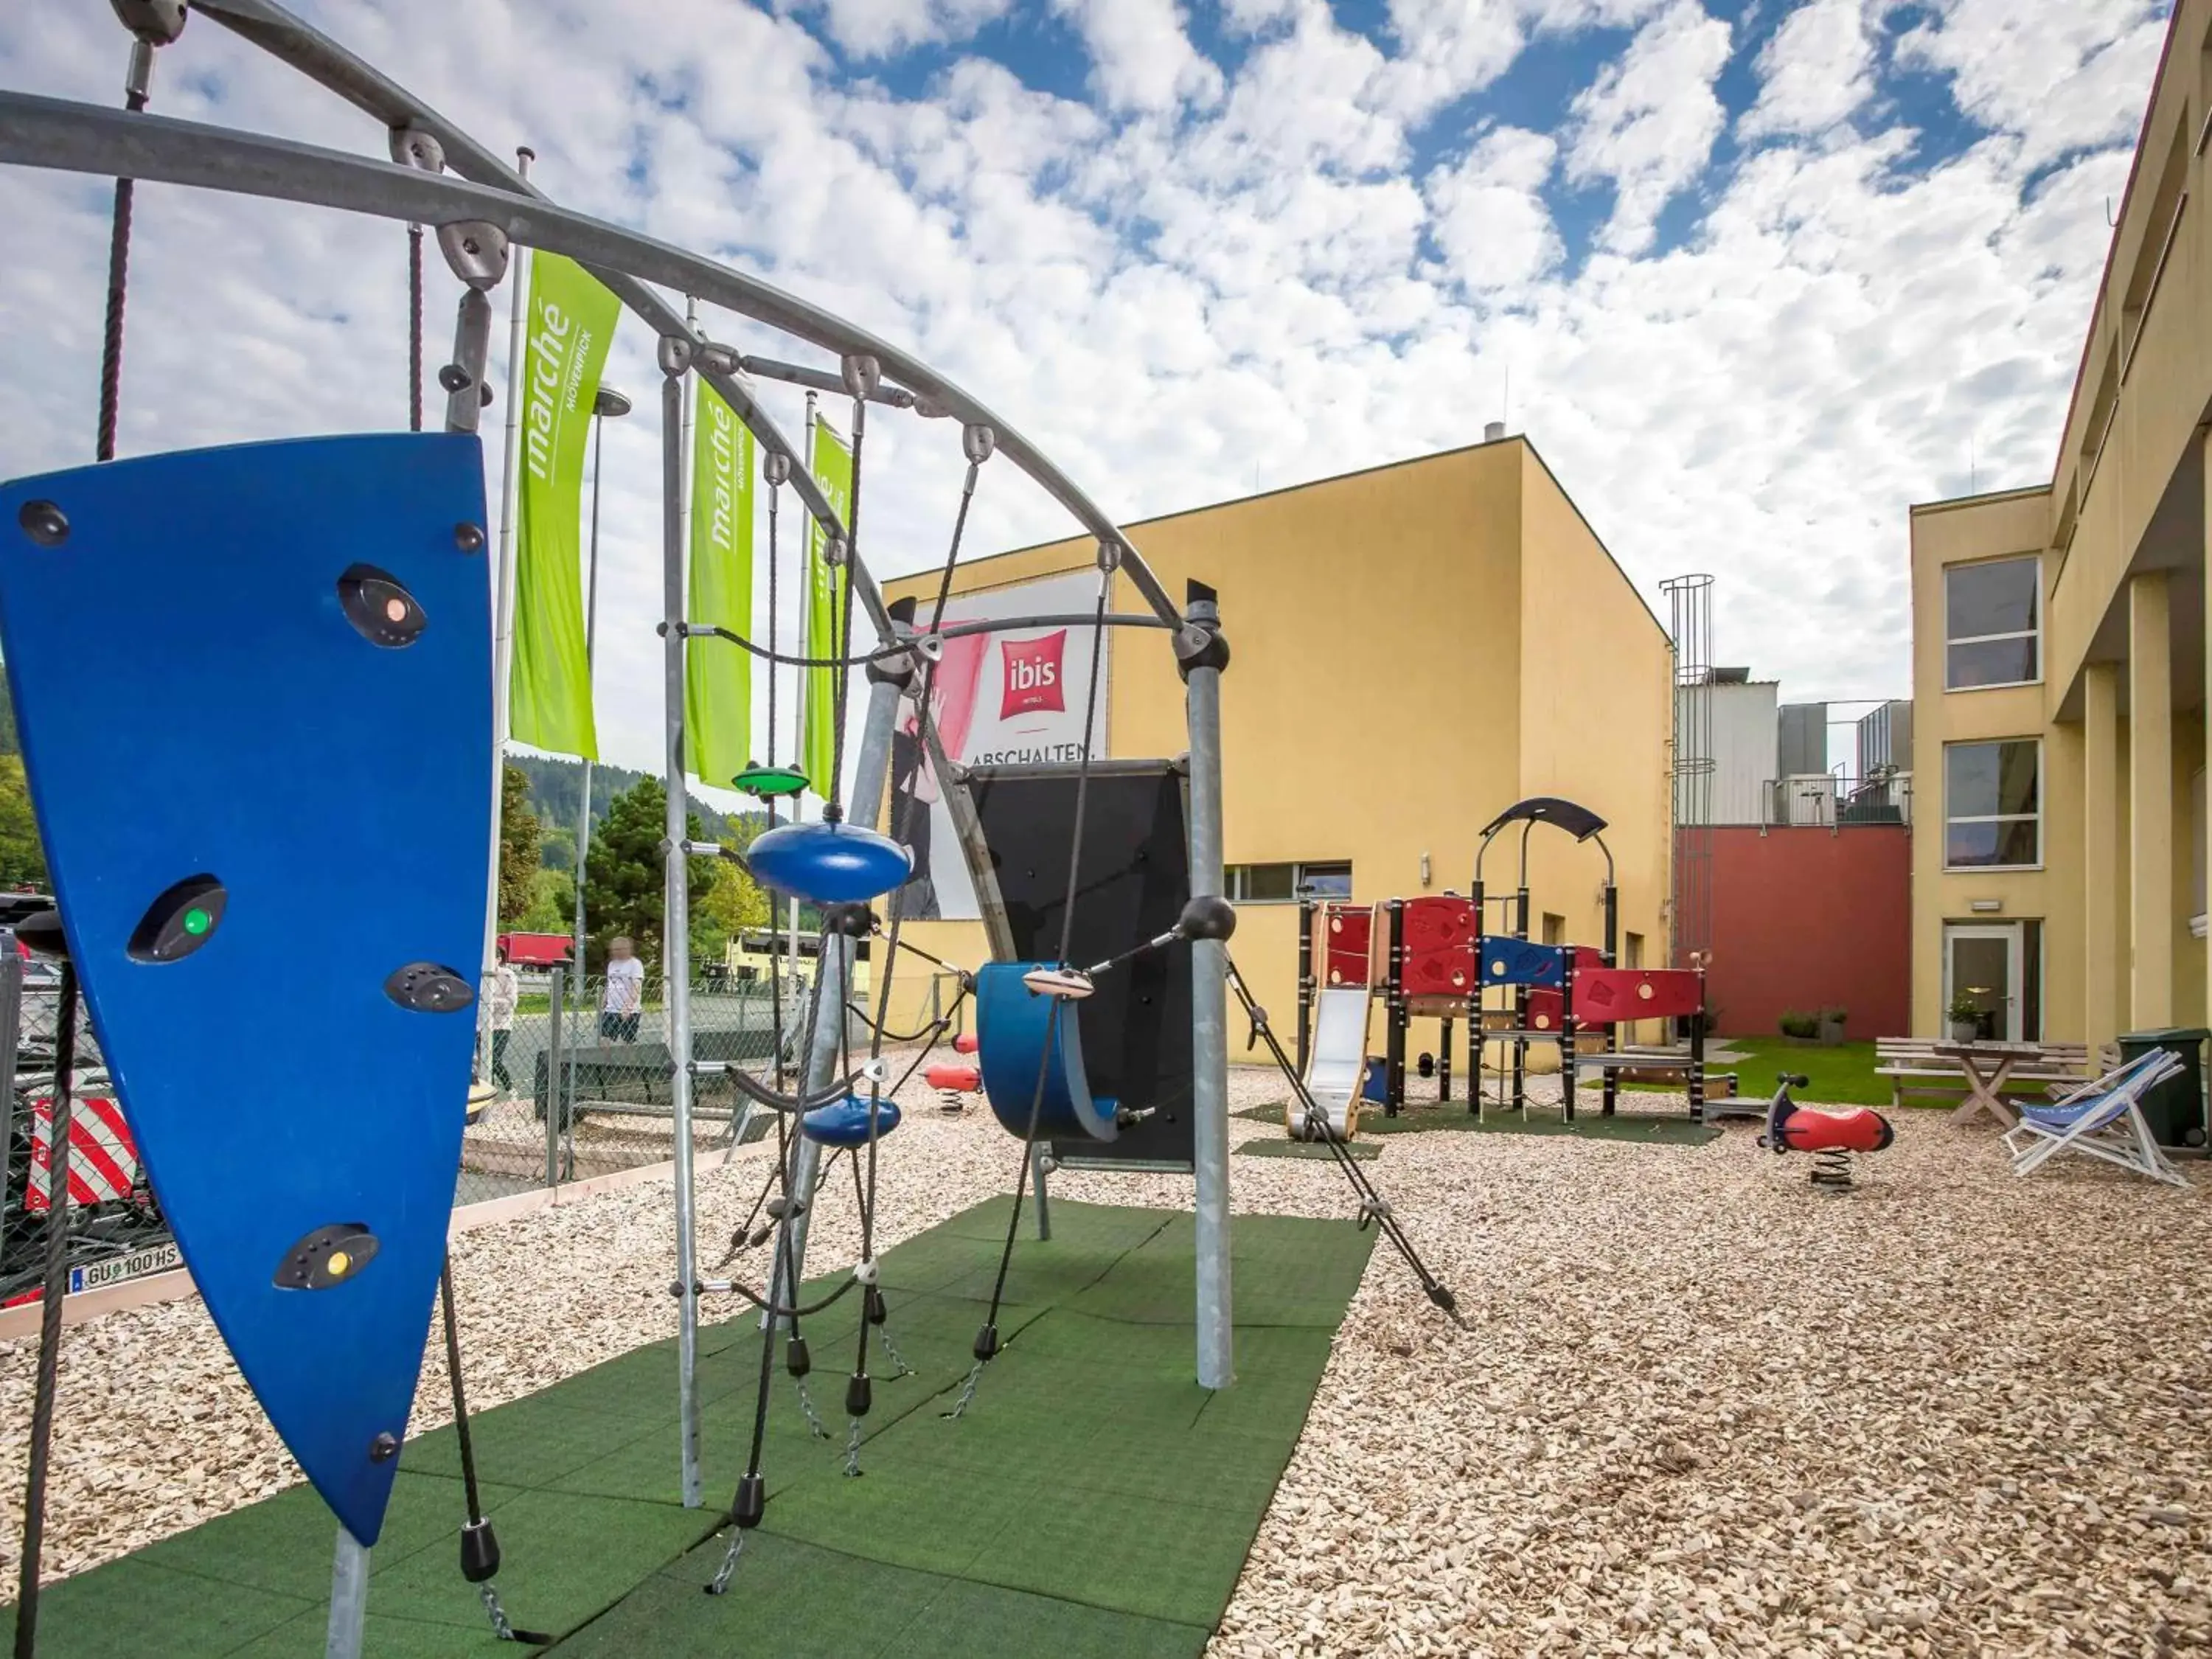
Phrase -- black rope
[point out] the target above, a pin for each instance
(1067, 943)
(119, 281)
(56, 1285)
(467, 1441)
(414, 328)
(1373, 1207)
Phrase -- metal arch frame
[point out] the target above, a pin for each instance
(61, 134)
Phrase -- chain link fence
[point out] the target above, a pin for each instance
(575, 1087)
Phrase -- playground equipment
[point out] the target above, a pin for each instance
(1830, 1137)
(377, 624)
(1338, 1068)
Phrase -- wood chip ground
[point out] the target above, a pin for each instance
(1698, 1406)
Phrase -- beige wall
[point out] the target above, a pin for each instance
(1380, 702)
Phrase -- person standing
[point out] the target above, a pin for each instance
(623, 1003)
(502, 992)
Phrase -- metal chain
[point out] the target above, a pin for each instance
(892, 1352)
(807, 1404)
(729, 1562)
(967, 1391)
(489, 1594)
(853, 1448)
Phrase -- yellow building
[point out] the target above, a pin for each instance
(1413, 648)
(2059, 651)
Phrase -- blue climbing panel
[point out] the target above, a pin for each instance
(1509, 961)
(1018, 1036)
(253, 686)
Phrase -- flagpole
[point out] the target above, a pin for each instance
(799, 702)
(502, 626)
(608, 405)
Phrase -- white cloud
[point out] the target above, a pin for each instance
(883, 28)
(1816, 71)
(1141, 57)
(1179, 305)
(1489, 215)
(1648, 122)
(2063, 76)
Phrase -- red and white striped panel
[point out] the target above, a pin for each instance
(103, 1158)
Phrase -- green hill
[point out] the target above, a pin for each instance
(556, 788)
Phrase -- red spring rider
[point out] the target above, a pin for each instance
(1830, 1137)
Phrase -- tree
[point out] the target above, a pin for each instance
(625, 881)
(733, 901)
(552, 904)
(22, 861)
(519, 861)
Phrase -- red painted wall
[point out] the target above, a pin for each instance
(1807, 918)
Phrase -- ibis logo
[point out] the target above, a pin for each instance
(1033, 683)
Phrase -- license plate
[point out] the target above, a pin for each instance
(156, 1259)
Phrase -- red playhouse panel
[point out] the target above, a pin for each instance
(1547, 1007)
(1345, 930)
(1439, 935)
(1606, 996)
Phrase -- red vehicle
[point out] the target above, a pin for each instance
(537, 950)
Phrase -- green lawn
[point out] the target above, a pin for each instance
(1841, 1076)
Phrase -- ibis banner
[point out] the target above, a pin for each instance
(1015, 698)
(718, 675)
(832, 466)
(570, 320)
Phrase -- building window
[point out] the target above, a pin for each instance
(1991, 614)
(1993, 806)
(1286, 883)
(1555, 929)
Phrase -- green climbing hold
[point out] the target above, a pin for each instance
(765, 782)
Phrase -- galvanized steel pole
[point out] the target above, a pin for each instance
(676, 925)
(1202, 654)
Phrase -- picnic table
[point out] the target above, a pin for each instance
(1986, 1067)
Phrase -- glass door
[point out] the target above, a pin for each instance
(1982, 964)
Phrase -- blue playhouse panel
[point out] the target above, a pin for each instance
(1509, 961)
(202, 695)
(1013, 1024)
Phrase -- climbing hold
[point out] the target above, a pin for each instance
(179, 922)
(769, 782)
(327, 1256)
(1058, 982)
(380, 607)
(845, 1122)
(427, 988)
(834, 863)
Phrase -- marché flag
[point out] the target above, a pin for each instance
(718, 676)
(832, 466)
(570, 320)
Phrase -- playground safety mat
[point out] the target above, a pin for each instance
(1093, 1500)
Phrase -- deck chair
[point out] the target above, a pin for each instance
(1338, 1065)
(2101, 1120)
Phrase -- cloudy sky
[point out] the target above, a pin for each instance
(1752, 274)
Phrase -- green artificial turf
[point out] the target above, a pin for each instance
(1092, 1499)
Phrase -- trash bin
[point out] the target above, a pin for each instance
(2174, 1108)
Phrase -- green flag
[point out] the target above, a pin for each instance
(832, 464)
(718, 677)
(571, 319)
